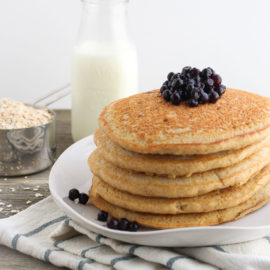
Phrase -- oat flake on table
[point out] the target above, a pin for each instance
(15, 114)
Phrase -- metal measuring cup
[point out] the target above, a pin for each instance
(30, 150)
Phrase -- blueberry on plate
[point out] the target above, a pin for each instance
(102, 216)
(123, 224)
(83, 198)
(73, 194)
(133, 226)
(112, 223)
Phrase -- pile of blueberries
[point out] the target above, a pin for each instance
(74, 194)
(121, 224)
(193, 86)
(112, 223)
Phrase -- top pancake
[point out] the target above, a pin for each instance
(145, 123)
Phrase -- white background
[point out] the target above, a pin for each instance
(232, 36)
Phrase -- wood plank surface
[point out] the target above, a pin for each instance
(18, 193)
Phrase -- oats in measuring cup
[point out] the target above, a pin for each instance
(14, 114)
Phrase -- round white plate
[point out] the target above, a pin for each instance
(71, 171)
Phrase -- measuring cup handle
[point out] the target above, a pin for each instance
(54, 96)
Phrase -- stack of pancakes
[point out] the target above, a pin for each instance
(168, 166)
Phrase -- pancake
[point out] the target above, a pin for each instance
(171, 165)
(145, 123)
(215, 200)
(261, 197)
(182, 186)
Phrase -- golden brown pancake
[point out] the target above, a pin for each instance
(215, 200)
(145, 123)
(261, 197)
(171, 165)
(182, 186)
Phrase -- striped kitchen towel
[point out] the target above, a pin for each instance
(45, 232)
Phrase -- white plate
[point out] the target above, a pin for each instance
(71, 171)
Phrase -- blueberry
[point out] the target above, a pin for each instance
(185, 95)
(165, 83)
(190, 87)
(175, 76)
(73, 194)
(204, 98)
(167, 95)
(182, 76)
(172, 89)
(207, 72)
(193, 103)
(222, 89)
(102, 216)
(211, 71)
(197, 80)
(175, 98)
(195, 71)
(195, 93)
(201, 85)
(170, 75)
(209, 82)
(83, 198)
(180, 92)
(191, 81)
(207, 89)
(214, 96)
(180, 82)
(112, 223)
(217, 79)
(163, 88)
(133, 226)
(123, 224)
(186, 70)
(175, 83)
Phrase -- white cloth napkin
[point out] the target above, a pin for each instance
(45, 232)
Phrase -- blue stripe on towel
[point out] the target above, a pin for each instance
(172, 260)
(44, 226)
(124, 258)
(132, 249)
(82, 263)
(267, 238)
(48, 253)
(98, 238)
(57, 242)
(15, 239)
(90, 248)
(67, 221)
(219, 248)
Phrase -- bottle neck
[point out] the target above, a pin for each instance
(104, 21)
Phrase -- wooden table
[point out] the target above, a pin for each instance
(18, 193)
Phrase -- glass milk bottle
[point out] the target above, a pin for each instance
(104, 66)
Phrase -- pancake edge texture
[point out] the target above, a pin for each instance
(216, 200)
(147, 124)
(182, 186)
(171, 165)
(185, 220)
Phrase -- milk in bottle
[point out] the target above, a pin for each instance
(104, 64)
